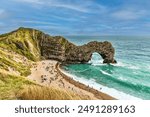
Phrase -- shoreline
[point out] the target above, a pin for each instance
(98, 94)
(115, 94)
(48, 73)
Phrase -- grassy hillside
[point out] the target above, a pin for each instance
(18, 52)
(10, 85)
(47, 93)
(22, 41)
(10, 60)
(17, 87)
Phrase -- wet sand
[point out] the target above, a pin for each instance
(48, 73)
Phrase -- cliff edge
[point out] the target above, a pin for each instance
(35, 45)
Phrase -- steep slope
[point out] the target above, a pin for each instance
(20, 49)
(18, 52)
(22, 41)
(33, 44)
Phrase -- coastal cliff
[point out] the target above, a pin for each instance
(23, 74)
(35, 45)
(60, 49)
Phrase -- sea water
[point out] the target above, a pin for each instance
(128, 79)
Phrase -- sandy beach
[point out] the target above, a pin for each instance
(48, 73)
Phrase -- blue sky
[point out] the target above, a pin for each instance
(77, 17)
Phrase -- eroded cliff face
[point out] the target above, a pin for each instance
(59, 48)
(84, 53)
(36, 44)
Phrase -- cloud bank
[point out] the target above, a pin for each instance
(84, 17)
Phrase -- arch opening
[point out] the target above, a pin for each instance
(96, 58)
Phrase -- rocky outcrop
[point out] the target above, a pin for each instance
(57, 47)
(64, 51)
(84, 53)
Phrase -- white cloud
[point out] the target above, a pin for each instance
(3, 14)
(69, 18)
(71, 6)
(80, 6)
(30, 1)
(129, 14)
(127, 28)
(2, 11)
(37, 22)
(51, 27)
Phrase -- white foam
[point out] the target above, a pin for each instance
(120, 64)
(82, 70)
(110, 91)
(96, 62)
(105, 73)
(133, 67)
(123, 79)
(96, 59)
(148, 67)
(100, 63)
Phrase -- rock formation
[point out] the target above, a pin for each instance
(57, 47)
(67, 52)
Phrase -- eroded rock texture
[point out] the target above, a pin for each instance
(61, 49)
(33, 44)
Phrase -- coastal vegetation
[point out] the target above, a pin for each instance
(11, 84)
(19, 50)
(47, 93)
(22, 49)
(17, 87)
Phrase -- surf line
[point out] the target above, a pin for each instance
(95, 92)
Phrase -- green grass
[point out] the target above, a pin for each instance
(17, 87)
(26, 52)
(25, 42)
(35, 92)
(5, 62)
(10, 85)
(24, 37)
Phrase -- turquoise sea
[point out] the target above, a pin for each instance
(128, 79)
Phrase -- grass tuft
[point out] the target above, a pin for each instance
(35, 92)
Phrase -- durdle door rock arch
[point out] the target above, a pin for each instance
(35, 45)
(59, 48)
